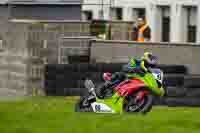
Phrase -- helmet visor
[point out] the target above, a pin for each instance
(152, 59)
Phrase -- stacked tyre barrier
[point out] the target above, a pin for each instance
(188, 94)
(182, 89)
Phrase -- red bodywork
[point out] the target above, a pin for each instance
(130, 86)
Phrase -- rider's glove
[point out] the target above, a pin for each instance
(118, 76)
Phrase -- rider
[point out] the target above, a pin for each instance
(148, 60)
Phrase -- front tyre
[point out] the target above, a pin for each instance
(83, 105)
(143, 106)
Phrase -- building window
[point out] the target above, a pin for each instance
(138, 13)
(165, 13)
(192, 24)
(87, 15)
(188, 24)
(117, 13)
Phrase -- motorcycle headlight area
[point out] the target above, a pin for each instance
(158, 74)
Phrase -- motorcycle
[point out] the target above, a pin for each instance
(135, 94)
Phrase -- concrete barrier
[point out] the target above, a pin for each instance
(168, 53)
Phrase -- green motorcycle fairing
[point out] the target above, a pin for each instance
(115, 103)
(149, 82)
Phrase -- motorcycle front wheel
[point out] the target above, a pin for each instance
(143, 106)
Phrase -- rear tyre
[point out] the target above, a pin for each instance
(144, 106)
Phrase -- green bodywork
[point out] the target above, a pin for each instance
(116, 102)
(149, 82)
(147, 78)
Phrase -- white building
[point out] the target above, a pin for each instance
(170, 20)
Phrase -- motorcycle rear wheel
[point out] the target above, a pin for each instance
(144, 106)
